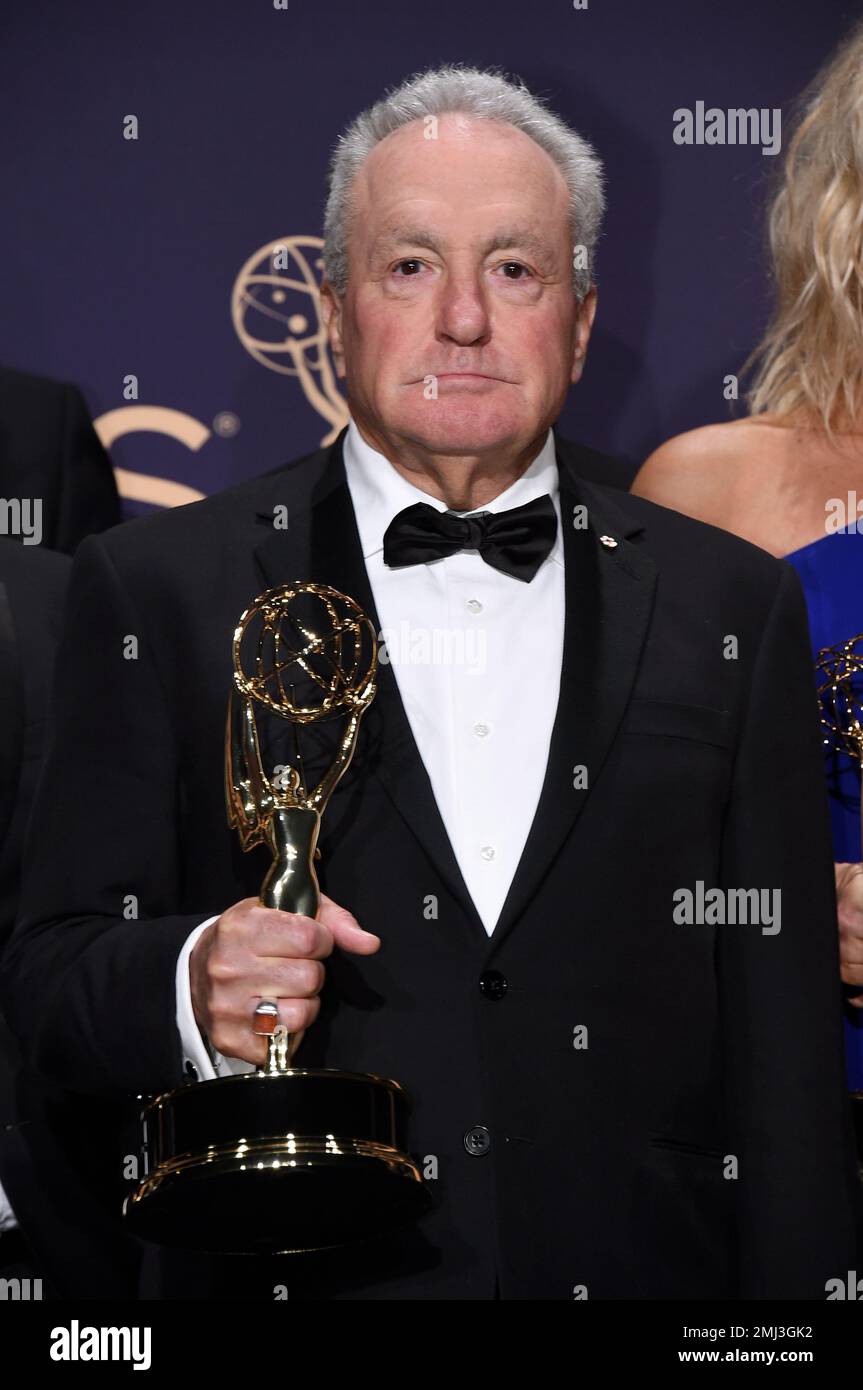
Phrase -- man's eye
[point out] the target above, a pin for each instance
(410, 263)
(515, 265)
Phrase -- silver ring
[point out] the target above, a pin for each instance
(265, 1018)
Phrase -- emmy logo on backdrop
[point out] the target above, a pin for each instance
(284, 1158)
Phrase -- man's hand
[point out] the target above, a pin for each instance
(252, 953)
(849, 897)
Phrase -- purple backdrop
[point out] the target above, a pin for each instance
(121, 256)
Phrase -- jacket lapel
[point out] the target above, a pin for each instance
(609, 598)
(326, 549)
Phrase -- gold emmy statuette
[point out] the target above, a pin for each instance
(285, 1158)
(839, 671)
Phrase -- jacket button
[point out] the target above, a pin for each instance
(477, 1141)
(493, 985)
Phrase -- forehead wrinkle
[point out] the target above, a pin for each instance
(415, 235)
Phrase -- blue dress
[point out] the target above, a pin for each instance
(831, 572)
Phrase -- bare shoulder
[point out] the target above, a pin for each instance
(708, 472)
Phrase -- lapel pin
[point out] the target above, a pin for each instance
(609, 542)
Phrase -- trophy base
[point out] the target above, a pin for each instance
(292, 1162)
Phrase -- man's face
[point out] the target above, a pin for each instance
(459, 332)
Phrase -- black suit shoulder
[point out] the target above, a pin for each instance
(675, 539)
(691, 554)
(594, 466)
(50, 450)
(35, 578)
(293, 484)
(200, 523)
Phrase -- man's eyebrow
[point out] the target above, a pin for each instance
(508, 237)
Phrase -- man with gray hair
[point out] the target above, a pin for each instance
(606, 1103)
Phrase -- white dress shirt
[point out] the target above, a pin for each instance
(477, 656)
(8, 1219)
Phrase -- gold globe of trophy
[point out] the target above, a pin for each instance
(284, 1158)
(837, 669)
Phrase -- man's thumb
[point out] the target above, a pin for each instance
(346, 930)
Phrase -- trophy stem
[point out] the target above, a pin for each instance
(278, 1050)
(292, 886)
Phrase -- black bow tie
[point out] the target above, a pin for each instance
(516, 541)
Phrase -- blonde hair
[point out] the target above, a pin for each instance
(810, 360)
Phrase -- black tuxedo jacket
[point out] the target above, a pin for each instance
(665, 1103)
(75, 1246)
(49, 449)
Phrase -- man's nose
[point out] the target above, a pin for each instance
(462, 311)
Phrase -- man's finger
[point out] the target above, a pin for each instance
(346, 930)
(290, 934)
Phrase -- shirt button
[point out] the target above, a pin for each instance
(191, 1070)
(487, 851)
(481, 730)
(477, 1141)
(493, 985)
(473, 605)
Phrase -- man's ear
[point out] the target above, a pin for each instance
(586, 315)
(331, 313)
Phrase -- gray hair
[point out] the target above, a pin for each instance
(484, 95)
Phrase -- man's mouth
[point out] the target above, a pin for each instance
(465, 376)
